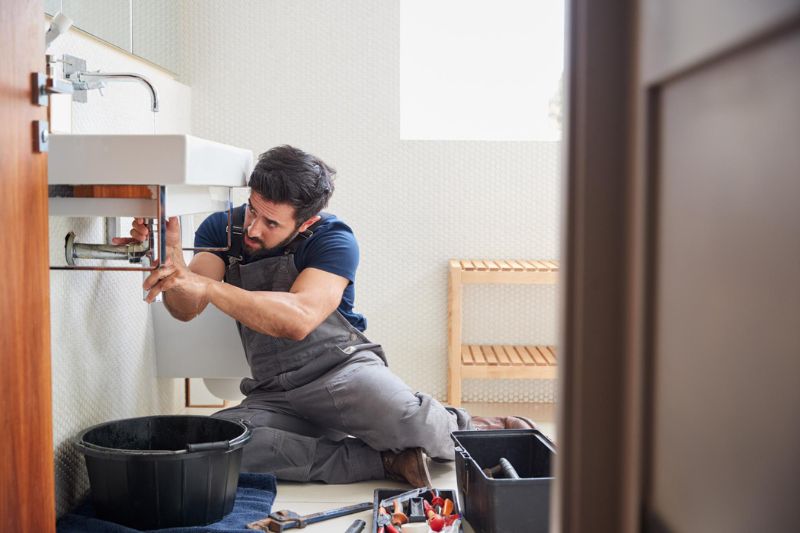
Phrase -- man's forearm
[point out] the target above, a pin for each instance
(280, 314)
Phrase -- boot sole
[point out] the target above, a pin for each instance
(422, 469)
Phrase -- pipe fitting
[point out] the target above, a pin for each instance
(133, 252)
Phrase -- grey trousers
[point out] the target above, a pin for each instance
(334, 428)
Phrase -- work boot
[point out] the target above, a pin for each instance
(407, 466)
(501, 422)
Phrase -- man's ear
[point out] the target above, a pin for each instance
(308, 223)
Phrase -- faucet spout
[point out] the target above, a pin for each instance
(95, 80)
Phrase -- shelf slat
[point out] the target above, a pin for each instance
(508, 362)
(508, 355)
(502, 356)
(537, 356)
(477, 355)
(527, 358)
(509, 271)
(506, 265)
(513, 356)
(551, 360)
(466, 355)
(491, 358)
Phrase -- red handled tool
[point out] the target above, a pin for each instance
(435, 522)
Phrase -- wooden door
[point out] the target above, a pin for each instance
(681, 382)
(26, 452)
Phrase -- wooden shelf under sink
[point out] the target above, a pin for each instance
(115, 191)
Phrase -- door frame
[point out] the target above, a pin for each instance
(598, 472)
(617, 64)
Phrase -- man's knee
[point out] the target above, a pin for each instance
(232, 413)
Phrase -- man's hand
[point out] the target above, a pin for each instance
(185, 288)
(140, 232)
(182, 282)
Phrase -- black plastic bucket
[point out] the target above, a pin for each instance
(164, 471)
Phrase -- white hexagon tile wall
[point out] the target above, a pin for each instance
(325, 76)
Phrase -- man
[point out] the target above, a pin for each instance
(322, 401)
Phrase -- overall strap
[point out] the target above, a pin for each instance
(292, 246)
(237, 232)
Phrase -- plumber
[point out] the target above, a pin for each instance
(322, 401)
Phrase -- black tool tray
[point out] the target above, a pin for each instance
(382, 494)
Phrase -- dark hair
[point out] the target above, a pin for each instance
(288, 175)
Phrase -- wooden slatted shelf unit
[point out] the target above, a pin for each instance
(468, 361)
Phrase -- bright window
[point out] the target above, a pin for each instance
(481, 70)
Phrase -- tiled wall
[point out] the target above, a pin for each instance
(103, 358)
(325, 76)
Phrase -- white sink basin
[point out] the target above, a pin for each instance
(192, 169)
(145, 160)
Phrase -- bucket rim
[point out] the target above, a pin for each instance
(229, 445)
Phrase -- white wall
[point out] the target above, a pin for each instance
(324, 76)
(103, 358)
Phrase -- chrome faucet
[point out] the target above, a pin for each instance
(82, 80)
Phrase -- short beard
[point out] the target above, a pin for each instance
(263, 251)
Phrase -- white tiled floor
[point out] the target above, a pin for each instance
(305, 498)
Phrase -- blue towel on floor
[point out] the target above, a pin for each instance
(254, 499)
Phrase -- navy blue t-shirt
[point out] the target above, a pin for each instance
(332, 248)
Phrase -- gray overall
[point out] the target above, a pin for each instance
(323, 408)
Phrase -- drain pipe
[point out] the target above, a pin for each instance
(133, 252)
(112, 229)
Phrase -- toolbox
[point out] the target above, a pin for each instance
(501, 504)
(382, 494)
